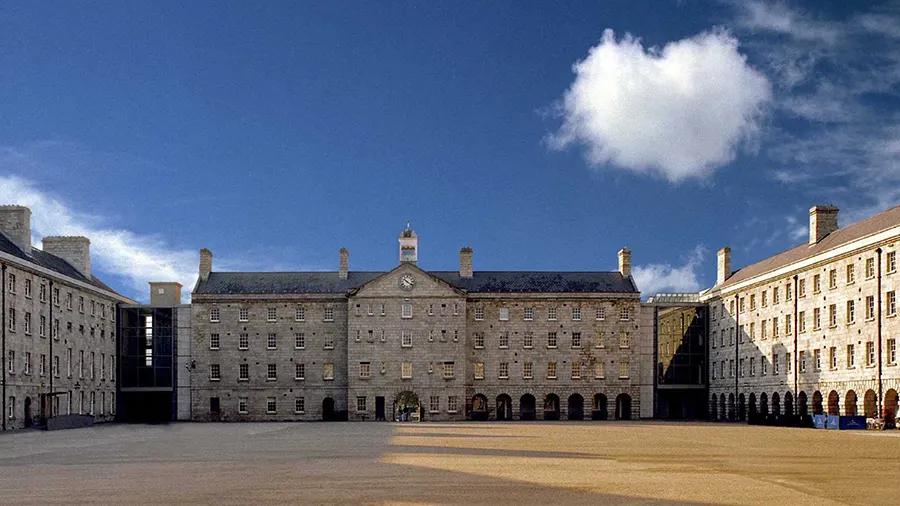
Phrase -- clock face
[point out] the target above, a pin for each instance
(407, 282)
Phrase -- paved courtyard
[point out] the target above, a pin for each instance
(452, 463)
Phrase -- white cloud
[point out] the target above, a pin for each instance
(780, 18)
(679, 112)
(652, 279)
(138, 258)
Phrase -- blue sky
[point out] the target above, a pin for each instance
(545, 135)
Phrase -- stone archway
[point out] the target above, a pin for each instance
(763, 404)
(600, 410)
(623, 407)
(818, 408)
(752, 407)
(870, 404)
(479, 407)
(742, 408)
(891, 401)
(576, 407)
(723, 408)
(28, 420)
(527, 410)
(731, 413)
(551, 407)
(776, 404)
(504, 407)
(713, 407)
(804, 407)
(328, 413)
(850, 403)
(788, 403)
(833, 403)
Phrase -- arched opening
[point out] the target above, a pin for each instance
(576, 407)
(527, 409)
(752, 407)
(818, 408)
(723, 408)
(599, 411)
(551, 407)
(504, 407)
(850, 403)
(776, 404)
(713, 407)
(833, 401)
(406, 405)
(801, 399)
(28, 412)
(479, 407)
(891, 402)
(788, 403)
(742, 408)
(763, 404)
(870, 401)
(731, 413)
(623, 407)
(328, 409)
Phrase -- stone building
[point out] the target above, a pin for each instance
(813, 329)
(58, 331)
(438, 345)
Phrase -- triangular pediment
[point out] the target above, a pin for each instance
(407, 280)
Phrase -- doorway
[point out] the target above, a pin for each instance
(328, 409)
(379, 408)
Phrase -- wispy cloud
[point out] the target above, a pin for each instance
(652, 279)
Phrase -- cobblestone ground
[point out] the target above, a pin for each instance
(449, 463)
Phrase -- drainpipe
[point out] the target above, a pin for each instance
(878, 402)
(3, 340)
(737, 341)
(796, 342)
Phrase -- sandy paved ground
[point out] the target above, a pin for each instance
(462, 463)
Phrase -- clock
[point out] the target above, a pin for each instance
(407, 282)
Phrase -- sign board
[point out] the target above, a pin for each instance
(819, 421)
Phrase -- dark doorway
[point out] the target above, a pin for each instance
(623, 407)
(788, 404)
(214, 406)
(714, 407)
(551, 407)
(742, 408)
(28, 412)
(576, 407)
(804, 407)
(328, 409)
(527, 409)
(504, 407)
(600, 410)
(763, 404)
(752, 407)
(817, 403)
(379, 408)
(776, 404)
(833, 403)
(479, 407)
(148, 407)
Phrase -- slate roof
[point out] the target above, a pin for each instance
(51, 262)
(869, 226)
(223, 283)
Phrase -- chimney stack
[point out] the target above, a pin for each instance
(165, 293)
(465, 263)
(823, 220)
(15, 223)
(724, 265)
(345, 263)
(205, 264)
(75, 250)
(625, 262)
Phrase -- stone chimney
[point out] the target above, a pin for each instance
(625, 262)
(166, 293)
(345, 263)
(823, 220)
(15, 223)
(724, 265)
(75, 250)
(465, 262)
(205, 264)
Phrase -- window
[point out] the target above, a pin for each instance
(27, 323)
(576, 339)
(328, 371)
(300, 340)
(452, 404)
(870, 307)
(406, 339)
(870, 268)
(214, 341)
(764, 331)
(731, 368)
(714, 369)
(360, 403)
(624, 340)
(752, 366)
(11, 408)
(81, 305)
(365, 370)
(624, 369)
(479, 313)
(551, 370)
(431, 310)
(775, 329)
(434, 404)
(832, 278)
(329, 342)
(764, 365)
(817, 318)
(832, 357)
(851, 273)
(625, 314)
(69, 301)
(300, 405)
(479, 340)
(752, 331)
(42, 293)
(892, 351)
(576, 370)
(817, 359)
(272, 372)
(103, 366)
(551, 339)
(788, 293)
(598, 339)
(406, 369)
(851, 311)
(576, 314)
(213, 314)
(69, 363)
(300, 314)
(27, 369)
(851, 356)
(271, 341)
(56, 296)
(529, 314)
(503, 371)
(271, 314)
(479, 370)
(801, 287)
(601, 313)
(599, 370)
(817, 283)
(42, 366)
(42, 326)
(448, 370)
(214, 372)
(528, 339)
(802, 357)
(891, 260)
(713, 340)
(741, 367)
(329, 314)
(527, 370)
(870, 353)
(765, 298)
(891, 303)
(775, 363)
(752, 301)
(244, 342)
(787, 363)
(11, 315)
(504, 314)
(787, 325)
(299, 371)
(741, 304)
(551, 313)
(504, 339)
(270, 406)
(27, 288)
(455, 308)
(242, 406)
(731, 307)
(832, 315)
(244, 372)
(81, 363)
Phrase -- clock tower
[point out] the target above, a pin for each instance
(409, 245)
